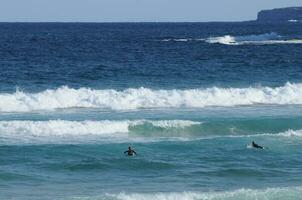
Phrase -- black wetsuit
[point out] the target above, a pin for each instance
(130, 152)
(256, 145)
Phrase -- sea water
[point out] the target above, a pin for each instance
(188, 97)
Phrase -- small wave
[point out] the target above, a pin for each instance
(262, 39)
(291, 133)
(294, 20)
(182, 39)
(240, 194)
(142, 98)
(103, 128)
(288, 133)
(177, 40)
(60, 131)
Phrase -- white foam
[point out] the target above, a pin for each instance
(288, 133)
(262, 39)
(166, 40)
(62, 131)
(177, 40)
(63, 127)
(172, 123)
(182, 39)
(140, 98)
(291, 133)
(227, 39)
(240, 194)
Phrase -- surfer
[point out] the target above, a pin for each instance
(254, 145)
(130, 152)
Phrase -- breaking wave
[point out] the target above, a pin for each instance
(144, 98)
(102, 128)
(291, 133)
(60, 131)
(288, 133)
(182, 39)
(240, 194)
(262, 39)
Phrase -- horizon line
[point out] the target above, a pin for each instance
(128, 21)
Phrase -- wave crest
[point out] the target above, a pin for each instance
(267, 38)
(60, 131)
(240, 194)
(260, 39)
(105, 127)
(141, 98)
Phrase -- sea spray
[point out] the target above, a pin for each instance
(120, 131)
(140, 98)
(262, 39)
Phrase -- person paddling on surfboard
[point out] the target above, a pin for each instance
(254, 145)
(130, 152)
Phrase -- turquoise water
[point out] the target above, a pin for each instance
(188, 97)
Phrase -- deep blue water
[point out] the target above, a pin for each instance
(42, 56)
(188, 97)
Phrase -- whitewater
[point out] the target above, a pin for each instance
(113, 131)
(246, 194)
(262, 39)
(140, 98)
(271, 38)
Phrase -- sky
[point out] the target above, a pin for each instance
(135, 10)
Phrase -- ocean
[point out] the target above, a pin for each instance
(189, 98)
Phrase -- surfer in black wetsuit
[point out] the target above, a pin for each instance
(130, 152)
(254, 145)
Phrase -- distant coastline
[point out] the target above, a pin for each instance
(289, 14)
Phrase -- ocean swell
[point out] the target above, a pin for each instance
(142, 98)
(240, 194)
(144, 130)
(101, 128)
(262, 39)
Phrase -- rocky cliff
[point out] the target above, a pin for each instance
(293, 14)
